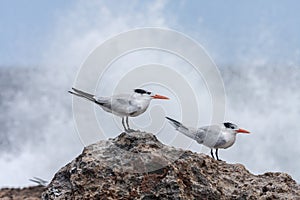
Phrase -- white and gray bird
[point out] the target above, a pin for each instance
(122, 105)
(215, 137)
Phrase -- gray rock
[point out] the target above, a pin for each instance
(137, 166)
(27, 193)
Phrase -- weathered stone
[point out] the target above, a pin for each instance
(137, 166)
(27, 193)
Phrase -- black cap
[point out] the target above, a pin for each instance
(141, 91)
(230, 125)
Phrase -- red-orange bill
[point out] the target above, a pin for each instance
(157, 96)
(243, 131)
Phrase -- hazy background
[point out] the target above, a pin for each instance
(256, 46)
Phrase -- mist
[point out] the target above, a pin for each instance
(38, 134)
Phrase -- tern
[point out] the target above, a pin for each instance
(214, 136)
(122, 105)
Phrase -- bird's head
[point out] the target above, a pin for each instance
(234, 128)
(148, 95)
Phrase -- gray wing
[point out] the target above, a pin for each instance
(220, 142)
(121, 104)
(200, 135)
(209, 135)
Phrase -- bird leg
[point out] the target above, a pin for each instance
(127, 122)
(217, 155)
(212, 153)
(124, 124)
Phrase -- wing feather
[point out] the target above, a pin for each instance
(120, 104)
(209, 136)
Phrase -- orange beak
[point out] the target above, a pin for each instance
(243, 131)
(159, 97)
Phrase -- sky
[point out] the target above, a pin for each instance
(255, 44)
(26, 28)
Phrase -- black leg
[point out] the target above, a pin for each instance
(212, 153)
(127, 123)
(217, 154)
(124, 124)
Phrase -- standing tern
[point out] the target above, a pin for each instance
(122, 105)
(215, 136)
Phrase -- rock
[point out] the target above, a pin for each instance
(137, 166)
(28, 193)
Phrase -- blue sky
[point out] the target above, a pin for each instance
(25, 27)
(237, 26)
(227, 29)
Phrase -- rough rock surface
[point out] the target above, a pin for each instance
(137, 166)
(28, 193)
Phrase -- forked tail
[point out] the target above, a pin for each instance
(181, 128)
(80, 93)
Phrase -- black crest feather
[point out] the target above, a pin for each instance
(229, 125)
(141, 91)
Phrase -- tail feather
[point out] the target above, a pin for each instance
(39, 181)
(83, 93)
(181, 128)
(80, 93)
